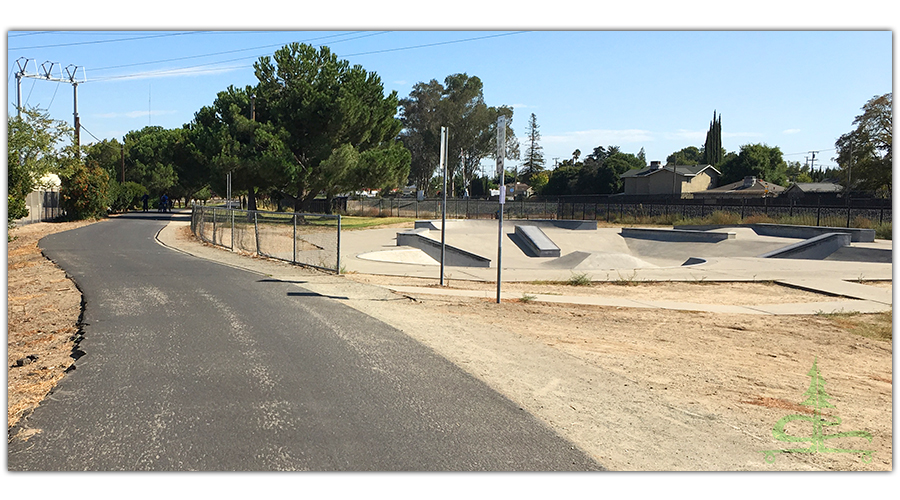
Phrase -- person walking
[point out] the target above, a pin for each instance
(146, 201)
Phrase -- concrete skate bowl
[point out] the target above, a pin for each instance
(581, 245)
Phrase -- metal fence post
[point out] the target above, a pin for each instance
(339, 245)
(256, 230)
(232, 229)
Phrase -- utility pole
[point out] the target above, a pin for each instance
(47, 73)
(501, 153)
(444, 143)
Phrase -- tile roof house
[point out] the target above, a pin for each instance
(669, 179)
(750, 187)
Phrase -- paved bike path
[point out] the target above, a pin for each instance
(192, 365)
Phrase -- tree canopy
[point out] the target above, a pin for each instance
(865, 153)
(758, 160)
(534, 153)
(319, 106)
(713, 154)
(457, 104)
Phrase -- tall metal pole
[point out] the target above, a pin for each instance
(77, 122)
(444, 142)
(501, 153)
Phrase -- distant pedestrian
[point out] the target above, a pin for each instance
(146, 201)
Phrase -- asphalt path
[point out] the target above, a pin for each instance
(192, 365)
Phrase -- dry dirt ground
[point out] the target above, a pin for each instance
(42, 311)
(638, 389)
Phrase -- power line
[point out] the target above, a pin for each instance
(105, 41)
(234, 51)
(807, 152)
(435, 44)
(172, 71)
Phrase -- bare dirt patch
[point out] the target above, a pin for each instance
(746, 371)
(43, 307)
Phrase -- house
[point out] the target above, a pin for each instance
(750, 187)
(670, 179)
(43, 203)
(802, 189)
(519, 189)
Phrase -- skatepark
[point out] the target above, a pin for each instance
(834, 261)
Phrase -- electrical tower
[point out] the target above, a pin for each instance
(52, 72)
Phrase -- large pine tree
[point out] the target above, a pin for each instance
(534, 155)
(712, 149)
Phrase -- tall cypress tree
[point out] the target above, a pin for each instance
(712, 149)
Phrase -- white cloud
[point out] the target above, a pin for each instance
(791, 131)
(682, 134)
(177, 72)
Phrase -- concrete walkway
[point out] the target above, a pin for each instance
(841, 279)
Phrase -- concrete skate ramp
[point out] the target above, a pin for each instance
(816, 248)
(861, 254)
(579, 260)
(453, 256)
(808, 232)
(686, 235)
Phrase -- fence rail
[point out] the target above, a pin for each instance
(857, 213)
(312, 240)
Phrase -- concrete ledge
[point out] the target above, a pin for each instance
(812, 249)
(791, 231)
(686, 235)
(426, 224)
(452, 256)
(537, 241)
(577, 225)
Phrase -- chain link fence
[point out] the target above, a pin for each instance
(312, 240)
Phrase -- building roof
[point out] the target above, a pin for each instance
(816, 187)
(744, 188)
(683, 170)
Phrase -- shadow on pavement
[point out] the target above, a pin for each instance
(154, 215)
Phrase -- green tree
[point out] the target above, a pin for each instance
(322, 104)
(865, 153)
(149, 160)
(33, 149)
(107, 154)
(457, 104)
(534, 154)
(601, 171)
(713, 154)
(690, 155)
(758, 160)
(562, 180)
(225, 139)
(84, 191)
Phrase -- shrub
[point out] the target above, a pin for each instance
(85, 192)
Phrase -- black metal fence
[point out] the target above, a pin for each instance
(856, 213)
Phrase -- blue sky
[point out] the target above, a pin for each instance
(650, 89)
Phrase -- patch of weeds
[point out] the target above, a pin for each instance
(525, 299)
(626, 280)
(878, 326)
(580, 279)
